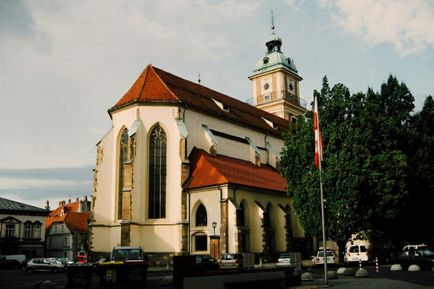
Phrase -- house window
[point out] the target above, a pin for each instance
(201, 218)
(36, 231)
(200, 243)
(27, 231)
(10, 230)
(157, 173)
(123, 155)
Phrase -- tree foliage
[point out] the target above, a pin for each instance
(366, 159)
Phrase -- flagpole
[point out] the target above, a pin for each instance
(318, 160)
(323, 227)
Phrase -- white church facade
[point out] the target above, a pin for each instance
(188, 170)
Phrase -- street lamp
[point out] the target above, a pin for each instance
(214, 225)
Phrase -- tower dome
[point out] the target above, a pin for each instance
(274, 58)
(275, 81)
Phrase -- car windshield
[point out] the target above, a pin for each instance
(329, 254)
(426, 252)
(127, 254)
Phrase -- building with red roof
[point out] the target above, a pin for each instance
(187, 169)
(66, 229)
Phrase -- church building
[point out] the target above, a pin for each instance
(185, 169)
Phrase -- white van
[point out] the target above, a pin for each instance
(356, 253)
(20, 259)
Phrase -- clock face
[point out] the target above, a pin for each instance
(266, 86)
(291, 85)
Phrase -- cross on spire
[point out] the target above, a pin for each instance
(272, 21)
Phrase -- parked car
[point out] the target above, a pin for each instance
(423, 257)
(65, 261)
(16, 261)
(319, 258)
(8, 264)
(206, 263)
(45, 264)
(356, 253)
(231, 261)
(410, 249)
(284, 260)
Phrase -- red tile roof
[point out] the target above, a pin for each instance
(207, 170)
(156, 85)
(74, 220)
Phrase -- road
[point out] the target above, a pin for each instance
(18, 279)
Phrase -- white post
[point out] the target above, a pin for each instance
(323, 227)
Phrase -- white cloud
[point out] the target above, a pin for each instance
(407, 25)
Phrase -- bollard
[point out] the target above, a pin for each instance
(360, 263)
(377, 269)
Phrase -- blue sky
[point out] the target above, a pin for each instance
(64, 63)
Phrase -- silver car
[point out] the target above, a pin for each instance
(45, 264)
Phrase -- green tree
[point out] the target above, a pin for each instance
(364, 168)
(421, 176)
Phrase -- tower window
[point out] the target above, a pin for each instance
(265, 60)
(123, 154)
(157, 173)
(266, 98)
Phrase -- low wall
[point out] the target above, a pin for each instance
(219, 281)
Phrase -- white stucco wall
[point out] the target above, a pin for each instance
(165, 235)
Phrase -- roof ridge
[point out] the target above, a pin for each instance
(204, 154)
(146, 71)
(162, 81)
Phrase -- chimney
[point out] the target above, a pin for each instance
(69, 201)
(77, 199)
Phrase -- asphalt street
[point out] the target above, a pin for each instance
(385, 279)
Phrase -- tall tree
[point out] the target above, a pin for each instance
(421, 176)
(364, 168)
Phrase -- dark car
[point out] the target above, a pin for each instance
(8, 264)
(424, 258)
(206, 263)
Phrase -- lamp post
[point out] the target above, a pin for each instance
(214, 225)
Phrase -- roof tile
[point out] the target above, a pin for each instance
(156, 85)
(208, 170)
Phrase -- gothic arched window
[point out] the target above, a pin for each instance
(157, 173)
(123, 155)
(201, 217)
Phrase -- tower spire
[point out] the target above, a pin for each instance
(272, 21)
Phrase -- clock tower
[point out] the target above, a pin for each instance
(276, 81)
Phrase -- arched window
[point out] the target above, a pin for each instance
(123, 155)
(37, 230)
(201, 218)
(157, 173)
(27, 230)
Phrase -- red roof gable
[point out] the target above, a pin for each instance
(68, 214)
(156, 85)
(208, 170)
(148, 87)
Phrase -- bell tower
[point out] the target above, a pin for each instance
(276, 81)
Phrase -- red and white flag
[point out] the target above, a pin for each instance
(318, 136)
